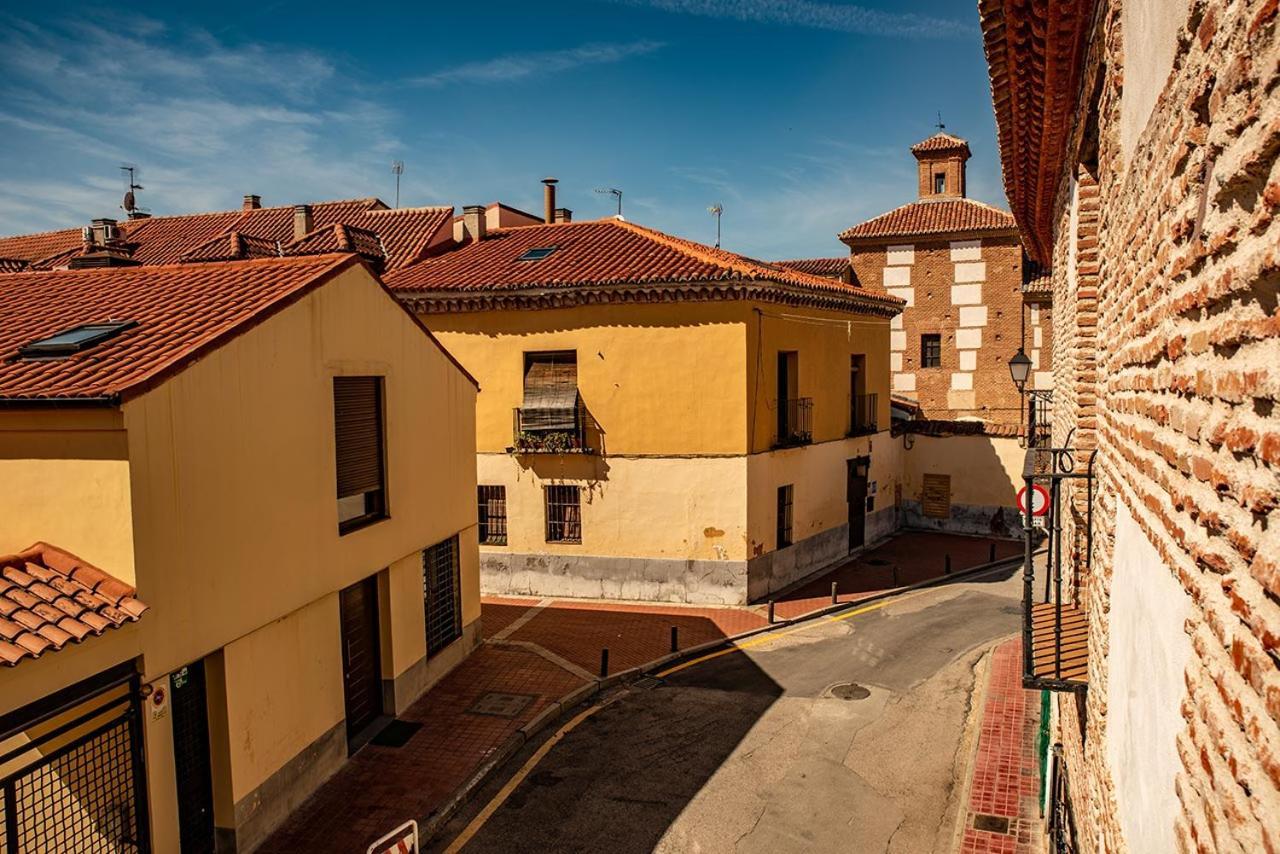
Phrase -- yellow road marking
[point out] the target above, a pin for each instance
(505, 792)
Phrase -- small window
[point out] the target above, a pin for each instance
(358, 443)
(564, 514)
(939, 183)
(930, 351)
(537, 254)
(441, 594)
(75, 339)
(785, 495)
(493, 515)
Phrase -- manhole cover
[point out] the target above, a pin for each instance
(648, 683)
(499, 705)
(875, 561)
(849, 691)
(992, 823)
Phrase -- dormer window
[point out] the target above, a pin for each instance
(74, 340)
(537, 254)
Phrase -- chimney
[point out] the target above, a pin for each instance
(473, 223)
(563, 215)
(102, 231)
(252, 202)
(549, 195)
(302, 221)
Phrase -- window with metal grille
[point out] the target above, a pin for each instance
(564, 514)
(358, 443)
(440, 594)
(493, 515)
(930, 351)
(785, 496)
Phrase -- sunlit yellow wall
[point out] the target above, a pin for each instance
(66, 482)
(660, 379)
(985, 471)
(652, 507)
(824, 342)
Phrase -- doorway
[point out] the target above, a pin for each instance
(361, 658)
(192, 765)
(856, 474)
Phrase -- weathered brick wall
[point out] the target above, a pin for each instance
(1187, 378)
(926, 276)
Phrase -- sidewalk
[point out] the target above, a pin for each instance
(541, 650)
(1003, 813)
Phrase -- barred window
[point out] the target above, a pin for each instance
(441, 595)
(564, 514)
(493, 515)
(930, 351)
(785, 496)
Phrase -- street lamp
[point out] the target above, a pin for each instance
(1020, 369)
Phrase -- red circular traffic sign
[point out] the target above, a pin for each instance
(1039, 500)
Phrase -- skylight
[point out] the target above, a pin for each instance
(75, 339)
(537, 254)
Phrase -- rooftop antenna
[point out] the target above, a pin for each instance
(130, 203)
(612, 191)
(397, 169)
(940, 126)
(716, 210)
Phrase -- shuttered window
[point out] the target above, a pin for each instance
(550, 391)
(358, 440)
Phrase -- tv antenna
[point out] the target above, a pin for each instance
(612, 191)
(940, 126)
(716, 210)
(130, 203)
(397, 169)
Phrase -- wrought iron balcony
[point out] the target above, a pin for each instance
(862, 414)
(795, 422)
(1055, 626)
(551, 430)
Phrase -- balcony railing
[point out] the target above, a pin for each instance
(862, 414)
(1055, 626)
(1039, 418)
(551, 431)
(795, 422)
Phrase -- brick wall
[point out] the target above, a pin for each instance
(968, 290)
(1177, 382)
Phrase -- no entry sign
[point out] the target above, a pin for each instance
(1039, 500)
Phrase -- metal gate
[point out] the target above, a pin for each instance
(74, 778)
(192, 764)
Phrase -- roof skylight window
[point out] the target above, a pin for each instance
(75, 339)
(537, 254)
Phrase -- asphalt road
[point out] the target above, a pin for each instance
(846, 735)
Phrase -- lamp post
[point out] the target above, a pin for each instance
(1020, 370)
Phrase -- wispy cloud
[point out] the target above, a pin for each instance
(822, 16)
(520, 66)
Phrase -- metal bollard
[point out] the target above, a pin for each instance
(946, 565)
(834, 595)
(675, 639)
(992, 557)
(604, 662)
(771, 612)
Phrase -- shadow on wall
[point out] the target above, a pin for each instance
(962, 484)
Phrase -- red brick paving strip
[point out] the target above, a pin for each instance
(1005, 774)
(382, 787)
(498, 612)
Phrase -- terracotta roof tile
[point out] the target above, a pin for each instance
(232, 246)
(933, 216)
(829, 267)
(180, 312)
(940, 141)
(602, 253)
(39, 615)
(339, 237)
(13, 265)
(1042, 284)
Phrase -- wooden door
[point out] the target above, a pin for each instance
(857, 471)
(361, 660)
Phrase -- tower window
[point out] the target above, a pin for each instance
(930, 351)
(939, 182)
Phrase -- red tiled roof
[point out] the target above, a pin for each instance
(405, 232)
(601, 252)
(940, 141)
(13, 265)
(338, 238)
(933, 216)
(181, 312)
(832, 268)
(233, 246)
(1041, 284)
(49, 598)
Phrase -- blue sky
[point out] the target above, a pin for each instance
(795, 115)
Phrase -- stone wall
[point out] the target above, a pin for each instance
(1168, 357)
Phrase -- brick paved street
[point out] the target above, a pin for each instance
(1006, 774)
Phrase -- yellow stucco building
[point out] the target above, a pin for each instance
(257, 482)
(660, 420)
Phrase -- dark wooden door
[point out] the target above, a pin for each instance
(856, 474)
(361, 661)
(192, 764)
